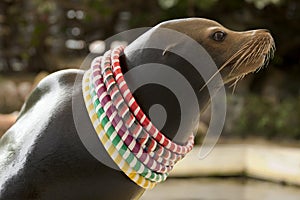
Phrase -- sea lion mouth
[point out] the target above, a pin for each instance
(252, 56)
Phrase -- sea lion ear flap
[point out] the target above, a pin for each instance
(168, 48)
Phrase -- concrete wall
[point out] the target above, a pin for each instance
(280, 164)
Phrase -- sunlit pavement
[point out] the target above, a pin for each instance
(264, 161)
(221, 189)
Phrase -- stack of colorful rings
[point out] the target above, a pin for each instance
(139, 149)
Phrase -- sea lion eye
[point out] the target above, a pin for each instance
(219, 36)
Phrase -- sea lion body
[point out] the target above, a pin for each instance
(42, 156)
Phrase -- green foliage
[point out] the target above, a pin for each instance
(206, 4)
(44, 7)
(27, 25)
(263, 118)
(260, 4)
(166, 4)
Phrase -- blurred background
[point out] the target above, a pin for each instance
(38, 37)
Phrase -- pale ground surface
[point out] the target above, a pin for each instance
(267, 162)
(221, 189)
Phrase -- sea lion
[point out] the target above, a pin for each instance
(42, 156)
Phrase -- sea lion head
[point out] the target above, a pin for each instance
(236, 53)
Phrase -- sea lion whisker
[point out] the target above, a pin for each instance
(237, 63)
(263, 45)
(208, 81)
(232, 58)
(258, 50)
(234, 84)
(243, 59)
(272, 49)
(249, 55)
(270, 53)
(245, 52)
(267, 60)
(250, 52)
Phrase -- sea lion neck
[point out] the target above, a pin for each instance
(135, 56)
(235, 54)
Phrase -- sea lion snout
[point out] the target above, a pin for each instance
(256, 50)
(238, 53)
(257, 31)
(264, 30)
(235, 53)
